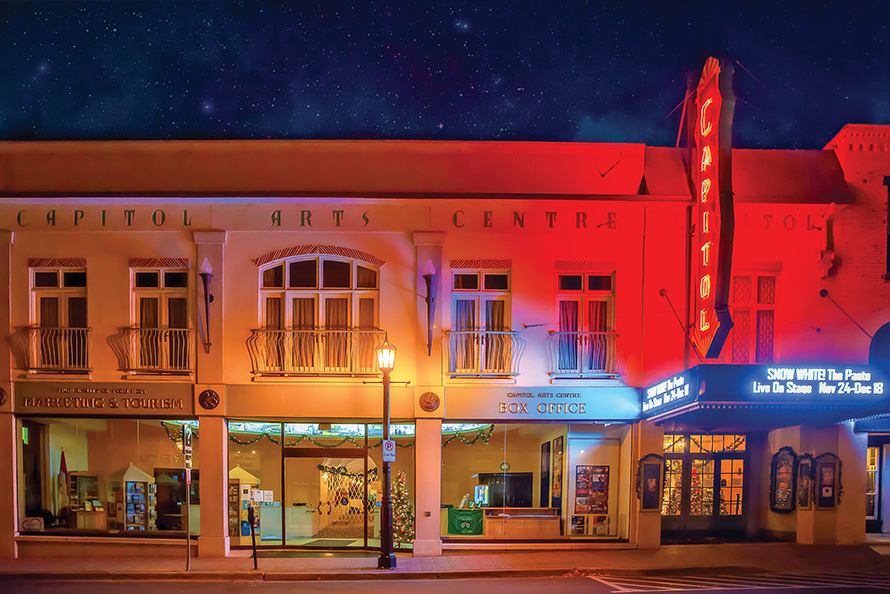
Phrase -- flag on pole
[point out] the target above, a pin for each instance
(63, 476)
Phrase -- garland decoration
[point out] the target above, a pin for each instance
(341, 471)
(483, 433)
(177, 439)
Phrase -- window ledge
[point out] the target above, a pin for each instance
(314, 378)
(478, 379)
(159, 377)
(30, 374)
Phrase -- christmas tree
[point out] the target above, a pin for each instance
(402, 512)
(702, 495)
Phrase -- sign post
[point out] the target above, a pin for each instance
(187, 459)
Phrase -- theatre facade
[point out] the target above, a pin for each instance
(191, 330)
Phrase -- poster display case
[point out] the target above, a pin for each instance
(590, 513)
(139, 500)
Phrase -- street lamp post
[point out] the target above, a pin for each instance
(386, 357)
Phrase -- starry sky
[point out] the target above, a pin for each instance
(543, 70)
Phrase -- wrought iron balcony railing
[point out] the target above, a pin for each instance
(159, 350)
(583, 354)
(314, 352)
(58, 350)
(482, 353)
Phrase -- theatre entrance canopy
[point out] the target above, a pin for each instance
(764, 397)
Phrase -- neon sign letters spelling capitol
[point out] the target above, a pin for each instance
(714, 220)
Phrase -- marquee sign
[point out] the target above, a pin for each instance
(672, 393)
(713, 212)
(806, 385)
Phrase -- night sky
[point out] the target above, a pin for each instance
(547, 70)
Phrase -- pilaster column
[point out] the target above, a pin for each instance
(648, 438)
(428, 487)
(213, 431)
(8, 462)
(214, 437)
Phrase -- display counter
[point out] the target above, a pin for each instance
(502, 523)
(87, 520)
(519, 523)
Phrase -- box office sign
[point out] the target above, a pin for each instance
(544, 403)
(104, 399)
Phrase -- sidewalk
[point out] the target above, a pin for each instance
(718, 558)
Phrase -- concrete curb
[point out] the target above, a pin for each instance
(357, 575)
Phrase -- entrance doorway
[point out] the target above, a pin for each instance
(327, 500)
(704, 487)
(316, 485)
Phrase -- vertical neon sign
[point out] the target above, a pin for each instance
(713, 216)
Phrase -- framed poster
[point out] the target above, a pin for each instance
(582, 489)
(599, 490)
(783, 486)
(804, 485)
(556, 490)
(545, 474)
(650, 495)
(826, 484)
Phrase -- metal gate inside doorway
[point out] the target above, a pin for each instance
(326, 498)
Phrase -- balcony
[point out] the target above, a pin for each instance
(581, 355)
(58, 350)
(482, 353)
(314, 352)
(159, 351)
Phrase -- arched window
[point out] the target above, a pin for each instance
(319, 314)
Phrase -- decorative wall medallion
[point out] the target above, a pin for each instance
(208, 399)
(429, 401)
(2, 396)
(504, 466)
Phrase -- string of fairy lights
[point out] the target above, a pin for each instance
(481, 433)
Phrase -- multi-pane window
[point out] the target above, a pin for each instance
(481, 338)
(59, 318)
(753, 305)
(319, 314)
(673, 488)
(160, 334)
(585, 342)
(732, 476)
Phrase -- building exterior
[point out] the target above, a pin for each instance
(535, 292)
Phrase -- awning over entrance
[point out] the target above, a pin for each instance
(763, 397)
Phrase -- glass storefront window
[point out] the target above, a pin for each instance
(318, 484)
(534, 481)
(107, 476)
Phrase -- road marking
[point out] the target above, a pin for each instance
(757, 581)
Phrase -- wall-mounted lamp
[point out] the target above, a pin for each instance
(429, 272)
(206, 274)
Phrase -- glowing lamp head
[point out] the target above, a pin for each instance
(386, 356)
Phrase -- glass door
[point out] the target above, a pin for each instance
(704, 487)
(326, 498)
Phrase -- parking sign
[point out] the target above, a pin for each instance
(389, 450)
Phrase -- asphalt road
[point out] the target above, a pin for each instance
(752, 584)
